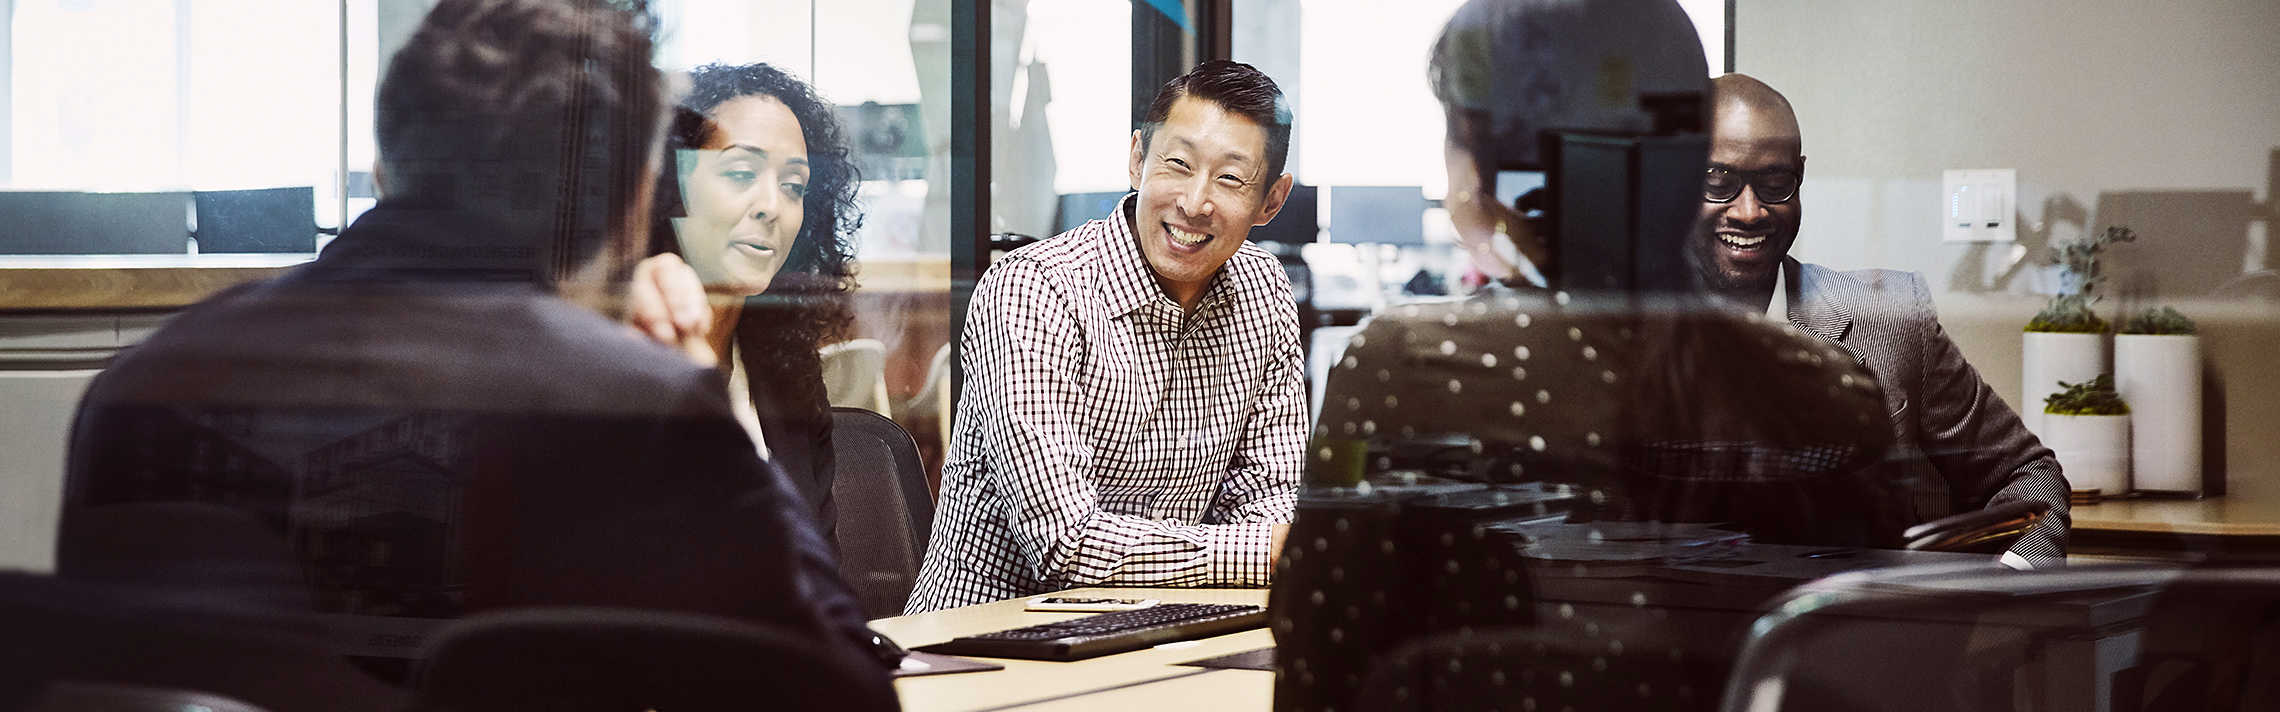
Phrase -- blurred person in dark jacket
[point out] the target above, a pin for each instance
(440, 415)
(1661, 405)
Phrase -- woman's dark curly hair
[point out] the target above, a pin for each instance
(821, 261)
(806, 302)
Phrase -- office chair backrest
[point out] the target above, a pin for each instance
(75, 223)
(885, 511)
(63, 633)
(616, 660)
(1979, 638)
(933, 399)
(855, 375)
(259, 220)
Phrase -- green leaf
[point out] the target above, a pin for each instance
(2163, 321)
(2092, 397)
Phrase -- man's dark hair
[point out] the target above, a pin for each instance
(1238, 88)
(538, 115)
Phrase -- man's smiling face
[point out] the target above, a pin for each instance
(1202, 183)
(1736, 245)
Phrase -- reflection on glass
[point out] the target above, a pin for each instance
(1520, 466)
(889, 100)
(766, 187)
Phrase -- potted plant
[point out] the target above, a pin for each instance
(2088, 426)
(2066, 341)
(2157, 369)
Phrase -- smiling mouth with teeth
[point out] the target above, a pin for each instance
(1742, 242)
(1184, 237)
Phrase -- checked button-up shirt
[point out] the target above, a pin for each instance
(1106, 437)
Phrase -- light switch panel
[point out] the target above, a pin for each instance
(1979, 205)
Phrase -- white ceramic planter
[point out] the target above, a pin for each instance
(2160, 377)
(2046, 359)
(2093, 450)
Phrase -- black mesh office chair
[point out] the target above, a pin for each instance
(2116, 637)
(885, 510)
(623, 660)
(72, 643)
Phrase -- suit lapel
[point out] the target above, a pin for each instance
(1817, 303)
(1812, 304)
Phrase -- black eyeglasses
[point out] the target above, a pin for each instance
(1774, 186)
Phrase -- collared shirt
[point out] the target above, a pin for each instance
(740, 400)
(1107, 437)
(1777, 307)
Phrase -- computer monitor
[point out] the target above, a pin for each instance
(1076, 208)
(1620, 204)
(1299, 223)
(75, 223)
(263, 220)
(1381, 215)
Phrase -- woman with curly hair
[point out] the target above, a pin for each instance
(758, 198)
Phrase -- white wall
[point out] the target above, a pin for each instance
(2161, 116)
(2086, 98)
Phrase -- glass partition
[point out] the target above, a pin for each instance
(124, 118)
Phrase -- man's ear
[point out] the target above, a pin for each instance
(379, 181)
(1139, 155)
(1276, 195)
(1800, 167)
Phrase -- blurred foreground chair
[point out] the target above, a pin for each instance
(1530, 668)
(885, 510)
(94, 697)
(75, 645)
(618, 660)
(2122, 638)
(855, 375)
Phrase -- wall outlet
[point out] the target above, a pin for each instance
(1979, 205)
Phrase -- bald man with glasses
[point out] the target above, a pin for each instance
(1956, 444)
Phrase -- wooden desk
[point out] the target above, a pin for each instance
(116, 282)
(1151, 679)
(2244, 523)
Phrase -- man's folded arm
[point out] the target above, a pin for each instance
(1261, 489)
(1981, 447)
(1021, 355)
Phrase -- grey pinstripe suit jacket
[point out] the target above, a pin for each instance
(1949, 427)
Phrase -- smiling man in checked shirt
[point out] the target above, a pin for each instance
(1133, 412)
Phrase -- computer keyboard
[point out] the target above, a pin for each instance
(1107, 633)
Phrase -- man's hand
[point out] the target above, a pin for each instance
(666, 303)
